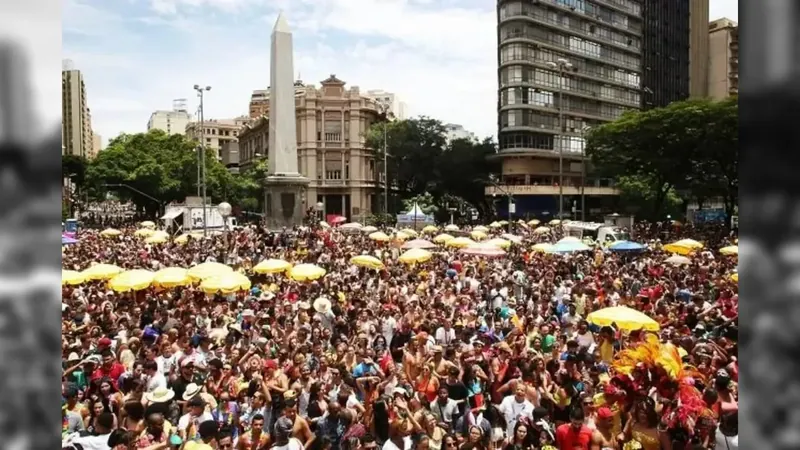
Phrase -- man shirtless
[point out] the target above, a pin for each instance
(254, 438)
(300, 429)
(603, 437)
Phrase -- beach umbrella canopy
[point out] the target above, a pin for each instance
(380, 236)
(71, 277)
(626, 318)
(481, 228)
(415, 255)
(626, 246)
(147, 224)
(451, 227)
(306, 272)
(483, 249)
(131, 280)
(184, 238)
(324, 224)
(543, 247)
(409, 232)
(370, 262)
(512, 237)
(495, 224)
(443, 238)
(226, 283)
(460, 242)
(272, 266)
(369, 229)
(401, 236)
(66, 240)
(352, 226)
(730, 250)
(101, 272)
(159, 237)
(534, 222)
(541, 230)
(110, 232)
(568, 239)
(144, 232)
(171, 277)
(477, 235)
(554, 222)
(418, 243)
(208, 270)
(678, 260)
(569, 247)
(499, 243)
(430, 229)
(684, 246)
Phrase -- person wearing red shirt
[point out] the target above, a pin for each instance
(111, 368)
(574, 435)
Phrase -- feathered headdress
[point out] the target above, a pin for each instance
(660, 366)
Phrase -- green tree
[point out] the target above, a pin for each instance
(158, 165)
(638, 197)
(688, 147)
(74, 168)
(421, 162)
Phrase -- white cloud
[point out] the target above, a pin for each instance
(438, 55)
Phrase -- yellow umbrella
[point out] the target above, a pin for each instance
(460, 242)
(131, 280)
(478, 235)
(542, 247)
(409, 232)
(554, 222)
(401, 236)
(143, 232)
(451, 227)
(370, 262)
(735, 277)
(159, 237)
(71, 277)
(272, 266)
(683, 247)
(625, 318)
(415, 255)
(172, 277)
(443, 238)
(379, 236)
(541, 230)
(501, 243)
(306, 272)
(184, 238)
(730, 250)
(495, 224)
(147, 224)
(110, 232)
(430, 229)
(101, 272)
(369, 229)
(534, 222)
(226, 283)
(481, 228)
(208, 270)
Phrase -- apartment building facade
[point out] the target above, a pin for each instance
(76, 118)
(723, 67)
(217, 132)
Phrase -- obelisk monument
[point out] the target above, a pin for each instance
(285, 187)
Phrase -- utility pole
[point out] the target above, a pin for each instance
(384, 108)
(200, 92)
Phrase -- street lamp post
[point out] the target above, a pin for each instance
(583, 172)
(224, 209)
(384, 108)
(561, 64)
(200, 92)
(319, 207)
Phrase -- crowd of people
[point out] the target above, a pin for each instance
(457, 352)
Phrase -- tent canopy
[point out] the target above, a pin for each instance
(415, 214)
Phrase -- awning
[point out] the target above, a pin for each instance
(171, 214)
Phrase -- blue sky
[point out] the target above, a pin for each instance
(138, 55)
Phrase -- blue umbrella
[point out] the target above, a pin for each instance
(626, 246)
(570, 247)
(65, 240)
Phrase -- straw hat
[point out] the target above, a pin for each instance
(191, 390)
(322, 305)
(160, 395)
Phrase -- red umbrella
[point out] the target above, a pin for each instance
(419, 243)
(483, 250)
(336, 220)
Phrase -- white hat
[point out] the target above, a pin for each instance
(304, 305)
(160, 395)
(248, 313)
(73, 357)
(191, 390)
(322, 305)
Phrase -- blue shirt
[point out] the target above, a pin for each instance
(363, 370)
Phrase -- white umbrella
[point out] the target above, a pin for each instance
(678, 260)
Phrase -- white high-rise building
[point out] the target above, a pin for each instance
(456, 131)
(396, 106)
(171, 122)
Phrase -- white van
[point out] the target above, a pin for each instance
(596, 232)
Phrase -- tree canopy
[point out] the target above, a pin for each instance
(423, 164)
(688, 148)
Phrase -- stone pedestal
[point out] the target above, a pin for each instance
(285, 200)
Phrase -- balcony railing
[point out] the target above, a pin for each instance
(333, 137)
(549, 190)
